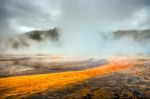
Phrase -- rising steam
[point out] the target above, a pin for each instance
(81, 28)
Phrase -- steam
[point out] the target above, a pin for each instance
(86, 27)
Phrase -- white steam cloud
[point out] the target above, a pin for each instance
(86, 27)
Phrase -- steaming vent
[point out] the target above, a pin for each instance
(137, 35)
(25, 40)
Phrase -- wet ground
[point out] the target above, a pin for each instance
(130, 83)
(12, 65)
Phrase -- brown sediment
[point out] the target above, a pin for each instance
(22, 86)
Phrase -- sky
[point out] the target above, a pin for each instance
(80, 21)
(17, 16)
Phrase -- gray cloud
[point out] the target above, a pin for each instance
(16, 15)
(4, 18)
(82, 23)
(27, 14)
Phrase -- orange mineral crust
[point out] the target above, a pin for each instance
(23, 86)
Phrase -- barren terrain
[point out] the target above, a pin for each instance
(47, 77)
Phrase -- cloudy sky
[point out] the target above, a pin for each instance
(82, 24)
(17, 16)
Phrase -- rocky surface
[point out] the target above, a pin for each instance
(132, 83)
(25, 65)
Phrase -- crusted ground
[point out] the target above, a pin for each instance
(130, 83)
(114, 78)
